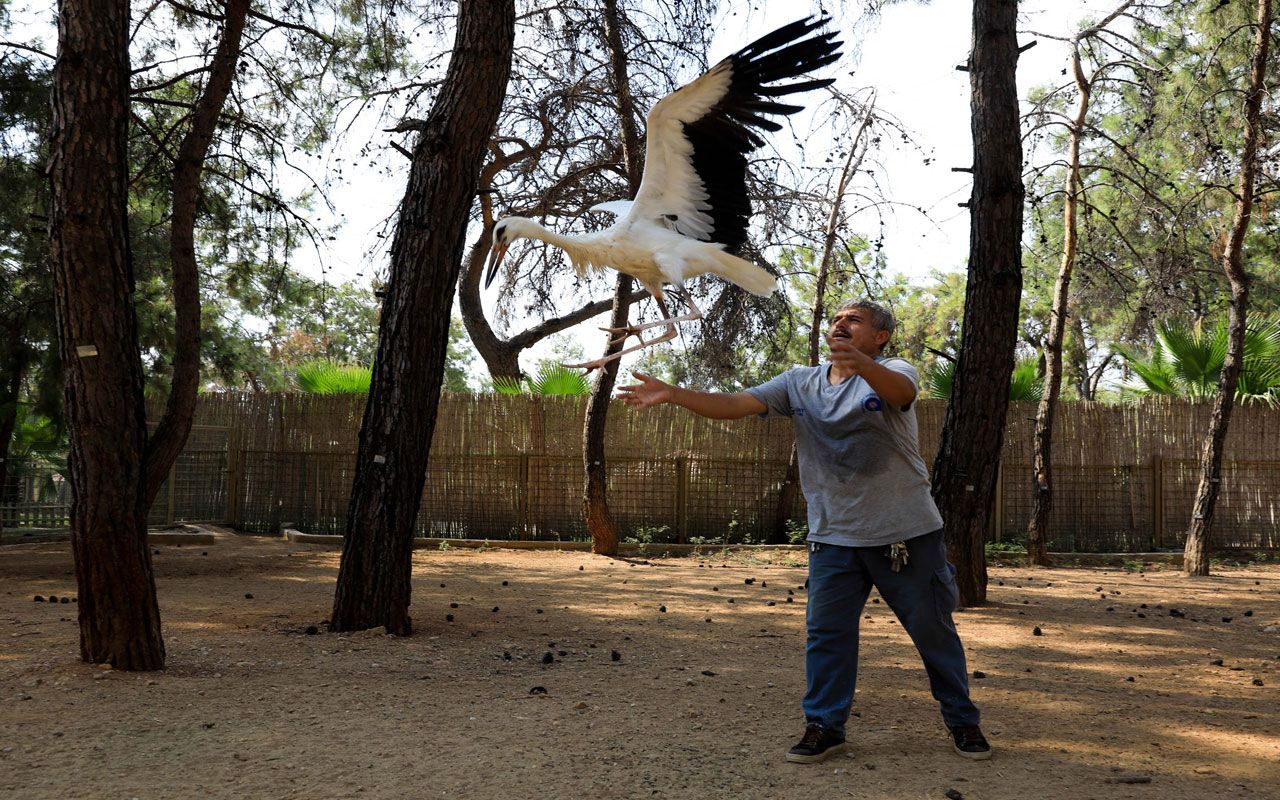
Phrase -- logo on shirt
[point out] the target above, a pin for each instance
(799, 411)
(872, 403)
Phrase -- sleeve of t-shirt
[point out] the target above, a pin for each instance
(903, 367)
(775, 395)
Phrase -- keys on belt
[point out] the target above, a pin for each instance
(898, 556)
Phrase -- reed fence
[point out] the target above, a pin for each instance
(509, 467)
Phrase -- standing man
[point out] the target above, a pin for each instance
(872, 519)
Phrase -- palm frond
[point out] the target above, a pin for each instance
(327, 377)
(1026, 384)
(1156, 375)
(1194, 358)
(557, 379)
(507, 385)
(939, 379)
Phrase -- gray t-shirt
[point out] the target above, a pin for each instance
(860, 464)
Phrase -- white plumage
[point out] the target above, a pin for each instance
(690, 215)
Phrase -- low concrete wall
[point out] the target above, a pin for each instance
(627, 549)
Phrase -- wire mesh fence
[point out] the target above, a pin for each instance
(34, 495)
(508, 468)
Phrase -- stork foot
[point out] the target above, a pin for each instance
(623, 333)
(588, 365)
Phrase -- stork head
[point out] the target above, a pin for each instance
(505, 231)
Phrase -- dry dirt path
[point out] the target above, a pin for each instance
(701, 700)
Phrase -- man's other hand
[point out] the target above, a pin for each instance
(648, 392)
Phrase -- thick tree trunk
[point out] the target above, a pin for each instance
(964, 474)
(374, 579)
(93, 285)
(1042, 439)
(595, 502)
(1195, 559)
(172, 430)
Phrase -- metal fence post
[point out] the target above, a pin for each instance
(173, 480)
(997, 514)
(235, 466)
(522, 497)
(682, 500)
(1157, 502)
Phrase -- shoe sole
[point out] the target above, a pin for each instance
(979, 756)
(796, 758)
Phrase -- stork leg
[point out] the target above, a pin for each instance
(600, 362)
(667, 319)
(666, 336)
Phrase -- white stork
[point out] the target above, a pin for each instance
(690, 215)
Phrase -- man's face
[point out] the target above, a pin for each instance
(854, 326)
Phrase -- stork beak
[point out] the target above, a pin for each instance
(495, 259)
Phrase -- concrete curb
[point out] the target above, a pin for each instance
(627, 549)
(178, 535)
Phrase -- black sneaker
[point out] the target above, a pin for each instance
(969, 742)
(817, 744)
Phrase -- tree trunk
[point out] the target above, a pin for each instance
(1042, 439)
(1195, 559)
(1077, 356)
(374, 578)
(595, 502)
(172, 430)
(964, 474)
(97, 327)
(502, 360)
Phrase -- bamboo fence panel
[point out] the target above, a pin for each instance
(507, 466)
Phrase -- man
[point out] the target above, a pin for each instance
(872, 519)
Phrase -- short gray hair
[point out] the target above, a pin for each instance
(881, 317)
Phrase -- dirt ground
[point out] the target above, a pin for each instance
(700, 701)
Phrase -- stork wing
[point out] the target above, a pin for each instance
(695, 174)
(618, 208)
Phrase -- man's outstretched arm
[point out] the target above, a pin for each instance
(716, 405)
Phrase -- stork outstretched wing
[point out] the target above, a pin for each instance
(695, 175)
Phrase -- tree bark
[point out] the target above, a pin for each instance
(374, 578)
(171, 432)
(97, 327)
(1077, 355)
(1195, 559)
(1042, 439)
(595, 502)
(964, 475)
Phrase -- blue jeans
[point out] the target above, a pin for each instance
(922, 595)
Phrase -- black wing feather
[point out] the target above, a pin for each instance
(724, 136)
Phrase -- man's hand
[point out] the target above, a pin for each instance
(894, 388)
(846, 356)
(648, 392)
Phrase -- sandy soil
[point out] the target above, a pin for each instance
(701, 701)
